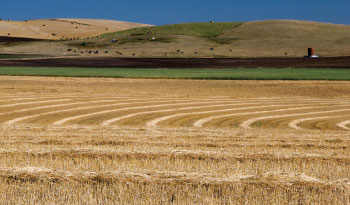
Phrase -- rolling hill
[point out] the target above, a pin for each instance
(273, 38)
(62, 28)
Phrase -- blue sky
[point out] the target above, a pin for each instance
(160, 12)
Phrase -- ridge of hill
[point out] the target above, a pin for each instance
(272, 38)
(54, 29)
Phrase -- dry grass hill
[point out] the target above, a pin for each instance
(62, 28)
(274, 38)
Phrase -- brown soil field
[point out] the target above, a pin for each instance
(62, 28)
(105, 62)
(157, 141)
(15, 39)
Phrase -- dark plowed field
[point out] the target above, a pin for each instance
(16, 39)
(108, 62)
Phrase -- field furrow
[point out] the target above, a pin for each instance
(344, 125)
(137, 115)
(175, 154)
(201, 122)
(296, 124)
(78, 108)
(326, 168)
(248, 124)
(189, 118)
(35, 174)
(31, 103)
(105, 112)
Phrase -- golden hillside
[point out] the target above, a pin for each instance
(273, 38)
(62, 28)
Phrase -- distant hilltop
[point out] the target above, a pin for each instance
(83, 37)
(55, 29)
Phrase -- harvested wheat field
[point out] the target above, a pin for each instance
(148, 141)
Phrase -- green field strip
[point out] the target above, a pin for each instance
(213, 74)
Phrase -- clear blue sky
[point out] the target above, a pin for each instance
(160, 12)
